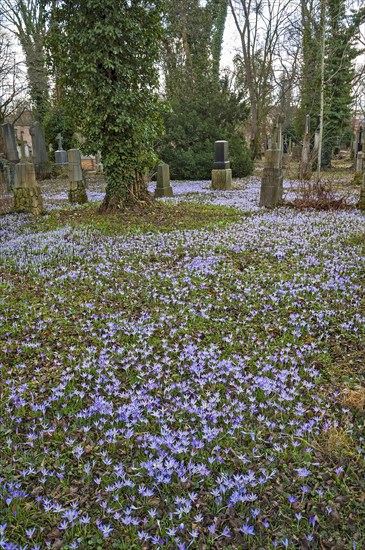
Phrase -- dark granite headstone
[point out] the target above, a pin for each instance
(40, 156)
(359, 143)
(221, 161)
(11, 150)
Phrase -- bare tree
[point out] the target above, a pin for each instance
(27, 19)
(12, 85)
(262, 26)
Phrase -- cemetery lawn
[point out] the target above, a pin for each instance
(188, 377)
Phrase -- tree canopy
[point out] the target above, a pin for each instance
(109, 75)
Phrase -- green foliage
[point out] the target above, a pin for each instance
(341, 32)
(311, 68)
(110, 85)
(339, 74)
(57, 121)
(240, 156)
(203, 107)
(202, 114)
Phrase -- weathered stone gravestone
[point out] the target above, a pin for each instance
(11, 150)
(40, 156)
(362, 194)
(27, 192)
(163, 187)
(271, 192)
(272, 179)
(77, 192)
(11, 154)
(99, 164)
(221, 173)
(60, 154)
(360, 162)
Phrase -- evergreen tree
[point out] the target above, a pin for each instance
(339, 75)
(203, 107)
(310, 83)
(110, 85)
(341, 29)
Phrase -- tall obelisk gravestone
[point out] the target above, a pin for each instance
(40, 156)
(271, 192)
(77, 192)
(163, 187)
(27, 192)
(11, 154)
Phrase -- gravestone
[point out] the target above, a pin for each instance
(27, 192)
(359, 143)
(163, 188)
(271, 191)
(11, 150)
(362, 194)
(99, 164)
(221, 173)
(272, 179)
(40, 156)
(77, 192)
(60, 154)
(360, 162)
(11, 154)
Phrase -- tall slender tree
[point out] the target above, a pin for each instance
(342, 30)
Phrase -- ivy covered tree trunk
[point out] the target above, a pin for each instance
(310, 81)
(110, 85)
(37, 76)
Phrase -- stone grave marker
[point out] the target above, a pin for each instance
(11, 154)
(60, 154)
(359, 143)
(27, 192)
(221, 173)
(99, 164)
(272, 179)
(360, 162)
(163, 187)
(11, 150)
(77, 192)
(40, 156)
(271, 191)
(362, 194)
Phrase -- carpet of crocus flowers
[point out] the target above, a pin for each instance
(193, 388)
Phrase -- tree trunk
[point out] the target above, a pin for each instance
(37, 75)
(122, 196)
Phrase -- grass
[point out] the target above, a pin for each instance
(188, 376)
(159, 217)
